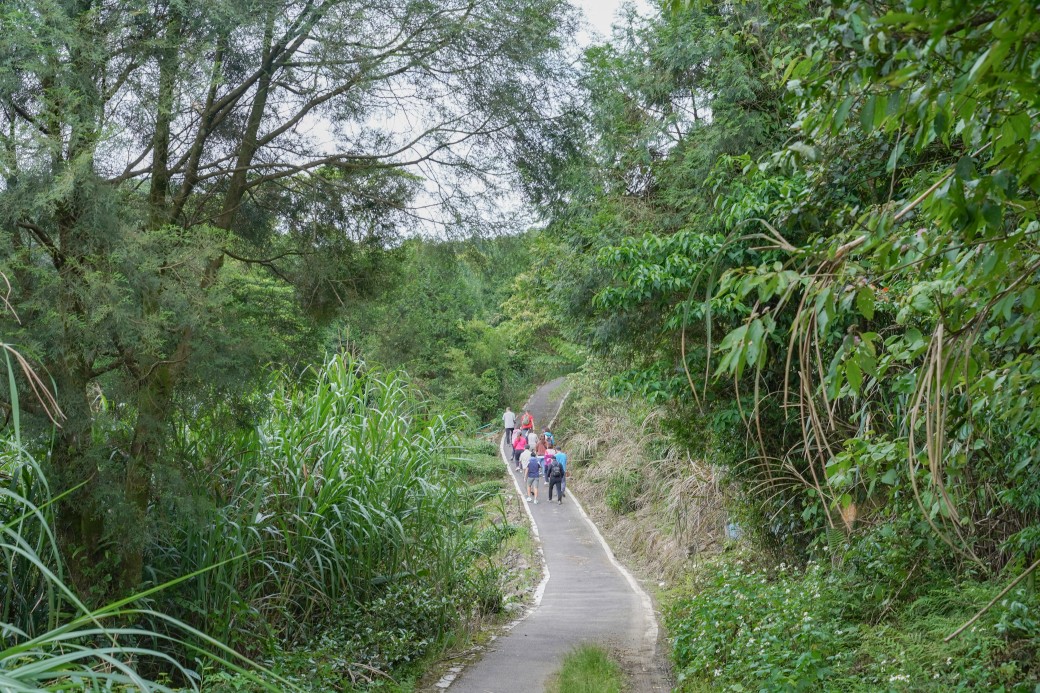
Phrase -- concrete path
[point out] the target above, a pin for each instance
(587, 598)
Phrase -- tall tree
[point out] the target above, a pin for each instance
(150, 148)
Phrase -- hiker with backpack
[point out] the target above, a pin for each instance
(550, 440)
(555, 476)
(561, 459)
(550, 452)
(527, 422)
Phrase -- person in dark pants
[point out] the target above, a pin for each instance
(509, 423)
(534, 472)
(555, 477)
(561, 457)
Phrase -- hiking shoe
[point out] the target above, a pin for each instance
(536, 501)
(560, 501)
(529, 499)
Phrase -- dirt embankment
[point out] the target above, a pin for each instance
(658, 507)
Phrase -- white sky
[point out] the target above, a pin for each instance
(601, 13)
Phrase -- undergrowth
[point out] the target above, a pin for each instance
(740, 623)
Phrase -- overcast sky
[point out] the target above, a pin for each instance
(601, 13)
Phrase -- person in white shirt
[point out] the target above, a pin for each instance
(525, 457)
(509, 422)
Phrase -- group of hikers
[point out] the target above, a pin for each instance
(536, 455)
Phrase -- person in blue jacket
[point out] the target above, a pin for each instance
(555, 472)
(561, 457)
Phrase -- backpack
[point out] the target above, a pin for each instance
(555, 470)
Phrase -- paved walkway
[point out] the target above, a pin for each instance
(588, 598)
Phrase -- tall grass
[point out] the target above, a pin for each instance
(49, 639)
(341, 494)
(588, 669)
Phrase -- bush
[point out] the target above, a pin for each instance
(342, 490)
(488, 541)
(486, 591)
(480, 447)
(623, 489)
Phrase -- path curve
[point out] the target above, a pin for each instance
(588, 597)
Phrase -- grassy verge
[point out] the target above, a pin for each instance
(588, 669)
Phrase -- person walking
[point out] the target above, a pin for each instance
(555, 478)
(527, 422)
(534, 472)
(509, 423)
(519, 446)
(525, 457)
(561, 459)
(548, 453)
(532, 441)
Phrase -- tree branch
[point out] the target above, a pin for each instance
(57, 257)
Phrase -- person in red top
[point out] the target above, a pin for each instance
(526, 422)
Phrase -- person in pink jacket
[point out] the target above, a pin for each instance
(519, 445)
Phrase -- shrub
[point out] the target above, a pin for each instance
(474, 467)
(623, 489)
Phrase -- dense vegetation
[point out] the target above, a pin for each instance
(204, 221)
(808, 234)
(793, 243)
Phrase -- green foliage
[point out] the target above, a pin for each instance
(831, 284)
(623, 489)
(52, 641)
(909, 256)
(171, 223)
(866, 286)
(588, 669)
(345, 490)
(451, 324)
(739, 623)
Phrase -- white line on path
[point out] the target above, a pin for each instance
(644, 598)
